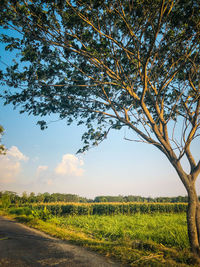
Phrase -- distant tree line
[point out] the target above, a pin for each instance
(46, 197)
(41, 197)
(131, 198)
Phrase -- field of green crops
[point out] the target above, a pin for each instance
(145, 237)
(109, 208)
(163, 229)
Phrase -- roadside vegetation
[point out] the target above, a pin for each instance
(153, 234)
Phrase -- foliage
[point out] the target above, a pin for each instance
(107, 64)
(109, 208)
(20, 211)
(138, 227)
(2, 147)
(43, 214)
(132, 198)
(14, 198)
(45, 197)
(58, 197)
(5, 201)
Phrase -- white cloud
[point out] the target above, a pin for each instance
(70, 166)
(10, 164)
(15, 153)
(41, 168)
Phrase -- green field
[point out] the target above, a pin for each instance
(139, 239)
(163, 229)
(109, 208)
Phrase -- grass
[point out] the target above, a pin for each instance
(139, 240)
(165, 229)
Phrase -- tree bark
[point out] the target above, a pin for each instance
(193, 220)
(193, 211)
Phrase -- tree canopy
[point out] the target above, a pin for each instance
(108, 64)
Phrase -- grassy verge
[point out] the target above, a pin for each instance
(139, 240)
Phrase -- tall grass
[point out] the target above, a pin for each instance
(165, 229)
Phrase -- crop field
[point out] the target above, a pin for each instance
(137, 234)
(109, 208)
(163, 229)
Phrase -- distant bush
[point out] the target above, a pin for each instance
(42, 213)
(5, 201)
(21, 211)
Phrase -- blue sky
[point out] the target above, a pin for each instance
(46, 161)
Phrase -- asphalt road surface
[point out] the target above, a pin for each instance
(22, 246)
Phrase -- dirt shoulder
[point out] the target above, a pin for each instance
(22, 246)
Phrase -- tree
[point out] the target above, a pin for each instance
(108, 65)
(40, 197)
(5, 201)
(32, 197)
(24, 197)
(12, 196)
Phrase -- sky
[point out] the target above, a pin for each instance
(46, 161)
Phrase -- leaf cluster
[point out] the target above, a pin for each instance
(105, 64)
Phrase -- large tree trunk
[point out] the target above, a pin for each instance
(193, 211)
(193, 220)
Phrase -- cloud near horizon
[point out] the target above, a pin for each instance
(41, 168)
(70, 166)
(10, 164)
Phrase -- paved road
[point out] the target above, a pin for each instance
(22, 246)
